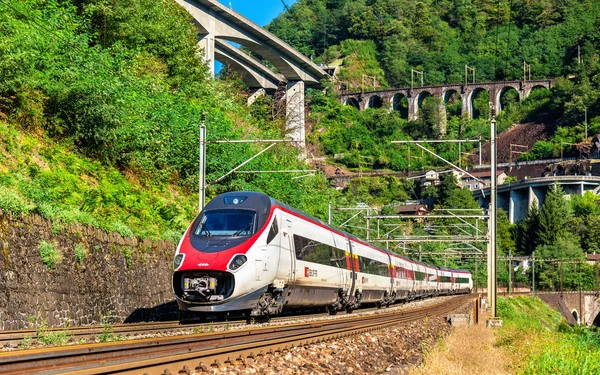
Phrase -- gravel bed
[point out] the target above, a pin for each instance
(389, 351)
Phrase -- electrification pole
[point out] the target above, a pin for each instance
(492, 250)
(202, 164)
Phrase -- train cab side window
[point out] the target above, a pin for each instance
(272, 231)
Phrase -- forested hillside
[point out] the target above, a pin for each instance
(100, 107)
(386, 39)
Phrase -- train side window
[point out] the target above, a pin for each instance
(316, 252)
(272, 231)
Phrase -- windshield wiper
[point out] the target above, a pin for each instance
(239, 232)
(203, 228)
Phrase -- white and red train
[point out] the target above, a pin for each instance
(250, 253)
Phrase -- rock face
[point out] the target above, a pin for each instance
(113, 277)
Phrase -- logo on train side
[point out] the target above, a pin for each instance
(310, 273)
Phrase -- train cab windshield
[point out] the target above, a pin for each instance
(226, 223)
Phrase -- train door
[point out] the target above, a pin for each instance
(344, 273)
(352, 267)
(287, 258)
(392, 274)
(267, 259)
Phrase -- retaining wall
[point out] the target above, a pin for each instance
(124, 279)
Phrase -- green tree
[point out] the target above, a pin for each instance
(526, 232)
(554, 216)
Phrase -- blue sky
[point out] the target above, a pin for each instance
(260, 12)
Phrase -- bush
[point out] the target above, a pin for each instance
(49, 254)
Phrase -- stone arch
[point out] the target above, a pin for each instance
(375, 101)
(471, 101)
(596, 321)
(451, 97)
(501, 98)
(422, 96)
(400, 104)
(352, 102)
(535, 88)
(575, 315)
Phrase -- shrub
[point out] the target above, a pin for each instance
(13, 201)
(80, 253)
(49, 254)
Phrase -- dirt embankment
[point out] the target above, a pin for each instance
(521, 134)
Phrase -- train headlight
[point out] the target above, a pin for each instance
(178, 261)
(237, 262)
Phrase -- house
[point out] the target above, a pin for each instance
(485, 178)
(412, 209)
(592, 258)
(430, 178)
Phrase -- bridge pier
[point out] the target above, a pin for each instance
(294, 111)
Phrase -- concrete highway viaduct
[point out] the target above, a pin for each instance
(516, 197)
(218, 26)
(415, 95)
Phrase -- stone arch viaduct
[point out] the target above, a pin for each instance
(416, 95)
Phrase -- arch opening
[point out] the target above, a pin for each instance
(400, 104)
(508, 97)
(480, 103)
(575, 315)
(375, 101)
(352, 102)
(596, 322)
(453, 103)
(421, 98)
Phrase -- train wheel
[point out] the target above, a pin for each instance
(331, 310)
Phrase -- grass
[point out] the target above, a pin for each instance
(46, 337)
(542, 343)
(40, 175)
(466, 351)
(80, 253)
(534, 339)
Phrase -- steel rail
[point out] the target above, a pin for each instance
(13, 338)
(198, 351)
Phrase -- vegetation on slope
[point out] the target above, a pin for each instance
(386, 39)
(101, 105)
(542, 343)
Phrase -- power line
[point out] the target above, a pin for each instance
(29, 18)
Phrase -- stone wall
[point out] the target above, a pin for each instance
(124, 279)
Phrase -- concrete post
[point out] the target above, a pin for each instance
(413, 107)
(466, 107)
(207, 43)
(295, 114)
(511, 207)
(442, 110)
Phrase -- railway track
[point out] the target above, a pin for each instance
(90, 334)
(186, 353)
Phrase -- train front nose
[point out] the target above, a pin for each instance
(203, 286)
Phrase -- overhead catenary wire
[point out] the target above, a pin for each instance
(34, 21)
